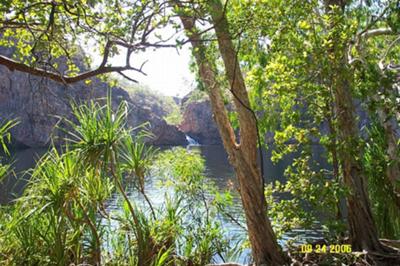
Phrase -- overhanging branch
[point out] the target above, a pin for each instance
(13, 65)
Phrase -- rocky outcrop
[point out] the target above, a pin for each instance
(166, 134)
(39, 103)
(199, 124)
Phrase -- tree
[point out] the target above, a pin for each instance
(242, 155)
(45, 31)
(363, 232)
(309, 74)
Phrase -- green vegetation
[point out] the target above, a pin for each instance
(61, 218)
(380, 189)
(164, 106)
(294, 62)
(194, 96)
(308, 73)
(5, 138)
(175, 117)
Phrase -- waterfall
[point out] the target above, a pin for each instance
(191, 141)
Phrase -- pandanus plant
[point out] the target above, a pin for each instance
(5, 138)
(137, 158)
(104, 142)
(57, 221)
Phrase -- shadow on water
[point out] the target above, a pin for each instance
(22, 160)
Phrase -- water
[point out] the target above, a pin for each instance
(218, 170)
(216, 162)
(191, 141)
(22, 160)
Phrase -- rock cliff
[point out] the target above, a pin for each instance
(38, 103)
(198, 122)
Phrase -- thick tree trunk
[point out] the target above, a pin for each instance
(251, 182)
(265, 249)
(243, 156)
(363, 232)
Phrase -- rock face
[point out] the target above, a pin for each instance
(39, 103)
(199, 124)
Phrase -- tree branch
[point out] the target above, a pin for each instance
(14, 65)
(128, 78)
(377, 32)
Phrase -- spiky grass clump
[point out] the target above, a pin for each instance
(61, 218)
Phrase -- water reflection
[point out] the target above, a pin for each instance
(218, 170)
(216, 161)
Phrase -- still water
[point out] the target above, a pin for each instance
(217, 169)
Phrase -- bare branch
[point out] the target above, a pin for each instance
(377, 32)
(14, 65)
(106, 53)
(142, 45)
(128, 78)
(141, 25)
(381, 64)
(373, 21)
(19, 24)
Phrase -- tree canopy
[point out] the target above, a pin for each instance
(315, 72)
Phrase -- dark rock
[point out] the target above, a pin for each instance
(39, 103)
(166, 134)
(199, 124)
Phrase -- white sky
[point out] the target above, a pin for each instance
(167, 71)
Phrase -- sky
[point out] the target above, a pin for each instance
(167, 70)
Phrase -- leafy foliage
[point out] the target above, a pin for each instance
(163, 106)
(307, 64)
(62, 218)
(380, 188)
(292, 56)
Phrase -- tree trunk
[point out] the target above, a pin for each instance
(363, 232)
(243, 156)
(392, 149)
(335, 162)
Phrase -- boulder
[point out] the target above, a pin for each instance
(165, 134)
